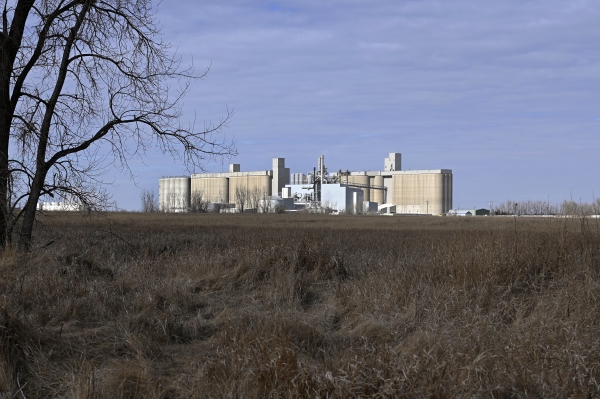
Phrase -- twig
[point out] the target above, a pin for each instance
(118, 236)
(43, 246)
(20, 388)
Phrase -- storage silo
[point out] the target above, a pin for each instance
(174, 194)
(213, 189)
(377, 194)
(164, 187)
(363, 180)
(423, 191)
(252, 185)
(181, 187)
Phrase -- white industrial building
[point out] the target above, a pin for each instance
(234, 187)
(60, 206)
(391, 190)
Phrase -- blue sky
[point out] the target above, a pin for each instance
(504, 93)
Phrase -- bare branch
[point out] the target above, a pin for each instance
(86, 85)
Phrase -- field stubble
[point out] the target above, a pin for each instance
(177, 306)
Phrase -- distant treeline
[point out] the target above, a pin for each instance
(566, 208)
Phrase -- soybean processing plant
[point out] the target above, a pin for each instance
(391, 190)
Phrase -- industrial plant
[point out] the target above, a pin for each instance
(388, 191)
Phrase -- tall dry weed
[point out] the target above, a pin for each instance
(179, 306)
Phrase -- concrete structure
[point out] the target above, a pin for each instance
(281, 176)
(370, 207)
(427, 192)
(422, 191)
(377, 195)
(387, 208)
(234, 186)
(213, 189)
(361, 179)
(393, 162)
(402, 191)
(341, 198)
(299, 178)
(174, 194)
(245, 185)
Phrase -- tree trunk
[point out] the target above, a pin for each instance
(4, 179)
(10, 41)
(5, 118)
(30, 210)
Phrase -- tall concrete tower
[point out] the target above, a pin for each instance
(281, 175)
(393, 162)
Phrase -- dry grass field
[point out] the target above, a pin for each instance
(284, 306)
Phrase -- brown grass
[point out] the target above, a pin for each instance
(245, 306)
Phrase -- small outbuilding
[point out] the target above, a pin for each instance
(469, 212)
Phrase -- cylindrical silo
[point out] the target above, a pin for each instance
(161, 193)
(222, 189)
(212, 189)
(378, 193)
(364, 181)
(164, 188)
(181, 190)
(174, 194)
(248, 190)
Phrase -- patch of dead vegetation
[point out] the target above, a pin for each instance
(179, 306)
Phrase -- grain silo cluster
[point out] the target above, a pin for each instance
(391, 190)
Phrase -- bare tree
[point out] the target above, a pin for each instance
(85, 85)
(198, 203)
(241, 198)
(149, 201)
(255, 197)
(176, 201)
(572, 208)
(265, 203)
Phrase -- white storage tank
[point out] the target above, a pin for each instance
(174, 194)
